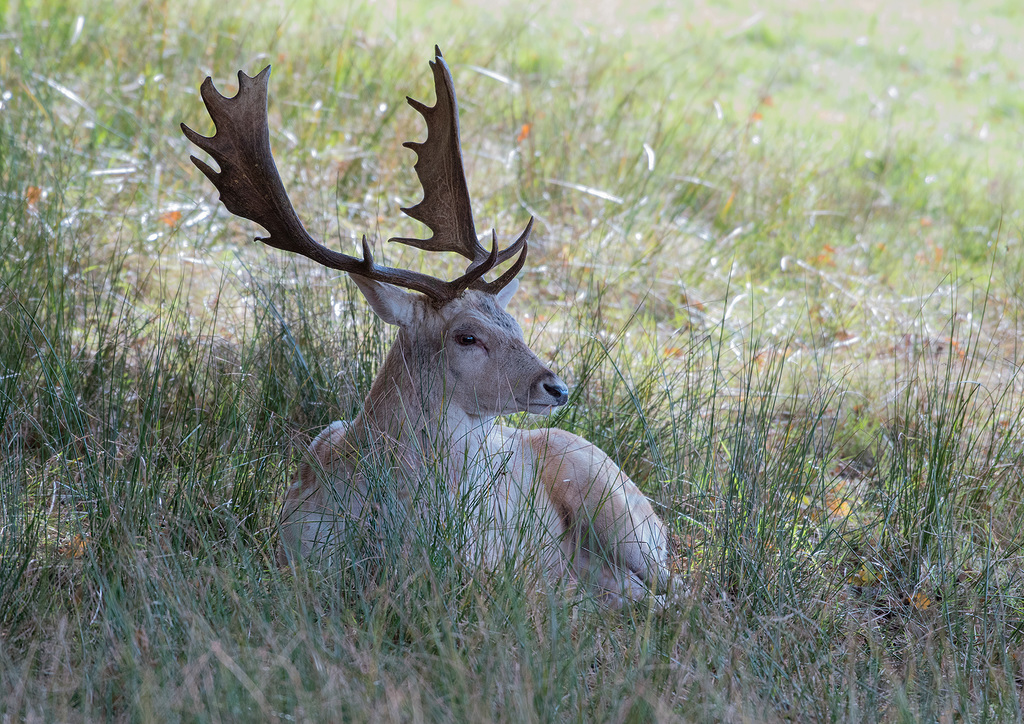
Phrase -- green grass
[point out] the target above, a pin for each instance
(778, 257)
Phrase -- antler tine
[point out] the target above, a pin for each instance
(473, 279)
(250, 185)
(521, 243)
(446, 209)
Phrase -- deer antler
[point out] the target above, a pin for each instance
(445, 208)
(250, 186)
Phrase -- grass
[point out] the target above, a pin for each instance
(778, 258)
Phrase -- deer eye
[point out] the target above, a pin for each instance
(466, 340)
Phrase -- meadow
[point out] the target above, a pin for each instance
(777, 258)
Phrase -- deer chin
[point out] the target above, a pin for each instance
(540, 408)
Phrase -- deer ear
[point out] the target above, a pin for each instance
(503, 296)
(387, 301)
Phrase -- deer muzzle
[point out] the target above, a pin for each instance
(547, 392)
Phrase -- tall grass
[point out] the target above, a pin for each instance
(798, 335)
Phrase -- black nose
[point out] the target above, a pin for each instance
(559, 392)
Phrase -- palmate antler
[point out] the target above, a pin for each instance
(250, 186)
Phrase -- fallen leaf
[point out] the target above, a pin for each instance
(74, 548)
(838, 507)
(863, 577)
(920, 601)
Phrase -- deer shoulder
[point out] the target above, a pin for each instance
(326, 464)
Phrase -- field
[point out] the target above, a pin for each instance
(777, 257)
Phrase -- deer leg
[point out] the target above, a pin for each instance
(606, 513)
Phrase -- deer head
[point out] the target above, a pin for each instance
(461, 325)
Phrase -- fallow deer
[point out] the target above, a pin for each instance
(429, 422)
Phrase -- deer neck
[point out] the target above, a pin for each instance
(409, 404)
